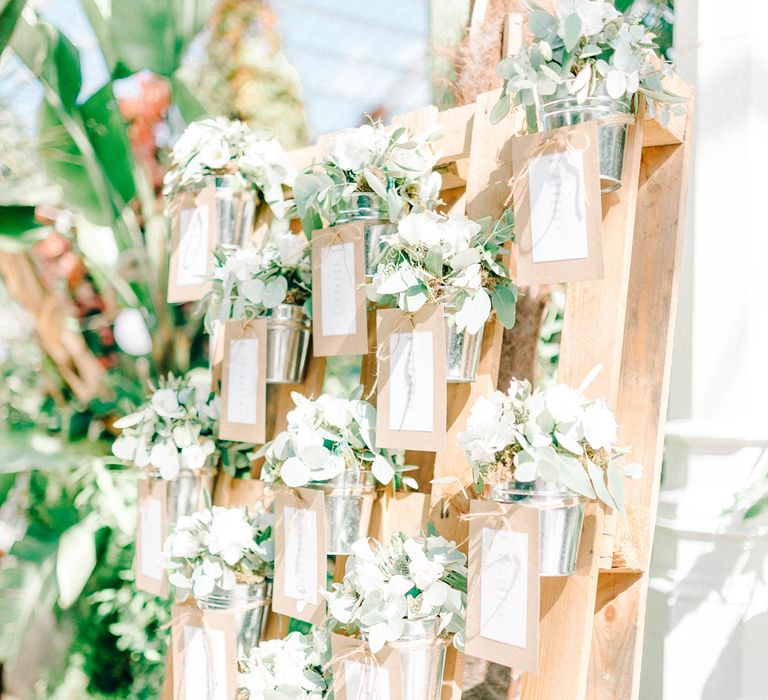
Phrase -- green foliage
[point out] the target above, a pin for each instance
(9, 13)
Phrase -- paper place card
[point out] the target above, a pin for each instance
(243, 381)
(503, 584)
(412, 393)
(339, 324)
(216, 355)
(204, 650)
(557, 204)
(193, 238)
(151, 529)
(358, 674)
(300, 554)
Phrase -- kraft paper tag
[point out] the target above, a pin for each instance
(300, 558)
(193, 238)
(151, 530)
(400, 512)
(204, 651)
(503, 584)
(243, 381)
(358, 674)
(557, 204)
(412, 390)
(339, 323)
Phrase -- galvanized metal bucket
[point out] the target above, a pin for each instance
(422, 659)
(288, 336)
(611, 137)
(348, 502)
(561, 514)
(249, 603)
(186, 493)
(235, 210)
(462, 350)
(374, 213)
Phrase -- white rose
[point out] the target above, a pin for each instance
(563, 403)
(291, 249)
(165, 403)
(215, 154)
(165, 457)
(599, 426)
(353, 150)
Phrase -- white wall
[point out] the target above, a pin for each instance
(707, 622)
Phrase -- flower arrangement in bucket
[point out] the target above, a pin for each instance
(330, 444)
(275, 281)
(225, 558)
(173, 431)
(551, 449)
(248, 168)
(454, 261)
(372, 173)
(587, 61)
(410, 592)
(290, 668)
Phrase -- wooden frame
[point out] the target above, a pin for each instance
(592, 622)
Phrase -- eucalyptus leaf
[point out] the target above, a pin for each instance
(499, 110)
(376, 185)
(434, 260)
(616, 487)
(597, 476)
(572, 31)
(75, 562)
(504, 302)
(572, 474)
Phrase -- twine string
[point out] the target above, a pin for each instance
(382, 349)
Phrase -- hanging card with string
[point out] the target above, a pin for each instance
(339, 324)
(204, 649)
(151, 528)
(300, 558)
(503, 584)
(359, 674)
(243, 381)
(555, 187)
(411, 379)
(193, 238)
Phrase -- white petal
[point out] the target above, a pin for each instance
(382, 469)
(295, 473)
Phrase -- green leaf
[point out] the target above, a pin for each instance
(434, 260)
(500, 110)
(108, 133)
(504, 302)
(616, 487)
(75, 561)
(597, 476)
(18, 228)
(542, 23)
(756, 508)
(376, 185)
(190, 107)
(9, 14)
(6, 484)
(572, 31)
(572, 474)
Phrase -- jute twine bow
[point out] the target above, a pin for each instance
(382, 349)
(561, 142)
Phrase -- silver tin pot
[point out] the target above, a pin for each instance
(186, 493)
(250, 604)
(561, 514)
(288, 336)
(611, 137)
(462, 350)
(422, 659)
(348, 503)
(374, 213)
(235, 210)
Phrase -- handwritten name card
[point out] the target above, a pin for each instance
(503, 584)
(558, 205)
(338, 284)
(411, 380)
(193, 238)
(151, 527)
(243, 383)
(358, 674)
(300, 554)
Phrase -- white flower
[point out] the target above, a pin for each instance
(337, 413)
(230, 534)
(599, 423)
(291, 248)
(215, 153)
(474, 312)
(353, 150)
(165, 457)
(166, 404)
(563, 403)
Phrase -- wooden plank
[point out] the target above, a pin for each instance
(644, 387)
(592, 335)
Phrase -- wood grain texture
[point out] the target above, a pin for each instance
(641, 411)
(592, 335)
